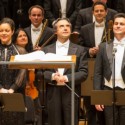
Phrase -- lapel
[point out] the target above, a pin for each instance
(123, 61)
(109, 48)
(104, 36)
(42, 37)
(92, 34)
(72, 51)
(52, 48)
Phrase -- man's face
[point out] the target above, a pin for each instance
(36, 17)
(104, 1)
(63, 29)
(99, 12)
(119, 26)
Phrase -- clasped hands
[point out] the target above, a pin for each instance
(93, 51)
(2, 90)
(60, 79)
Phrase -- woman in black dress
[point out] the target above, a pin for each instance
(11, 80)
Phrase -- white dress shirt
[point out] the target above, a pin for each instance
(99, 29)
(62, 49)
(120, 47)
(35, 33)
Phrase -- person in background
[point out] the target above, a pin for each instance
(103, 73)
(97, 33)
(11, 80)
(21, 40)
(85, 16)
(57, 80)
(121, 6)
(38, 31)
(62, 9)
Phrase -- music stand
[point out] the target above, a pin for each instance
(12, 102)
(97, 95)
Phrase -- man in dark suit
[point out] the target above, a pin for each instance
(121, 6)
(85, 16)
(62, 8)
(58, 94)
(103, 76)
(38, 31)
(91, 35)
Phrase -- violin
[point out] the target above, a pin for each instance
(31, 90)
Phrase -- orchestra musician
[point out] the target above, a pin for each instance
(85, 16)
(38, 31)
(62, 9)
(21, 40)
(11, 80)
(57, 80)
(109, 71)
(91, 35)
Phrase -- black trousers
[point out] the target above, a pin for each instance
(59, 106)
(119, 115)
(94, 117)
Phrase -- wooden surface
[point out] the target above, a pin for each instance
(41, 64)
(87, 86)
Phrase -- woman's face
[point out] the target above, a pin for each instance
(22, 39)
(5, 33)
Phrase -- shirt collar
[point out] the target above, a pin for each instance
(59, 44)
(38, 28)
(102, 24)
(121, 42)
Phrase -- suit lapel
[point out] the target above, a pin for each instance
(92, 35)
(42, 37)
(72, 51)
(52, 48)
(123, 61)
(109, 48)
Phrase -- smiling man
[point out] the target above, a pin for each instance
(103, 76)
(38, 30)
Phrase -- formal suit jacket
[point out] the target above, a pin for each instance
(53, 7)
(85, 16)
(121, 6)
(47, 33)
(87, 36)
(81, 67)
(103, 65)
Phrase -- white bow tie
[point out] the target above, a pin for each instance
(36, 29)
(99, 25)
(62, 45)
